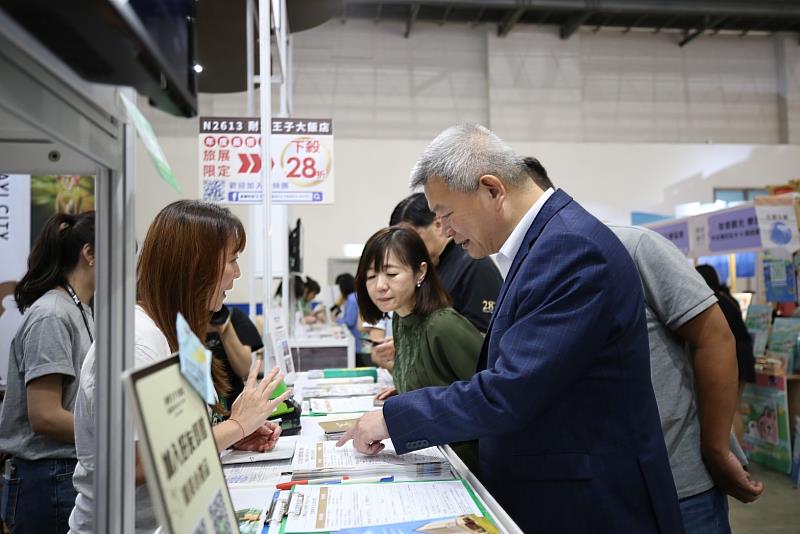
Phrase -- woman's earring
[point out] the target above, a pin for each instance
(91, 264)
(419, 283)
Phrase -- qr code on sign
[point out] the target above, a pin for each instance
(201, 527)
(219, 515)
(213, 190)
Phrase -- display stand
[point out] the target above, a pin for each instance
(59, 124)
(768, 224)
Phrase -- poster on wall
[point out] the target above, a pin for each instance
(15, 232)
(301, 166)
(764, 408)
(26, 202)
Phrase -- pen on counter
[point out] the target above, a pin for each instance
(329, 480)
(335, 480)
(368, 480)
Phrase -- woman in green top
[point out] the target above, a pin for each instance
(434, 345)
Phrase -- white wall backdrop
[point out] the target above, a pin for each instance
(623, 122)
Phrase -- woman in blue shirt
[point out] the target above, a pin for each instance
(350, 316)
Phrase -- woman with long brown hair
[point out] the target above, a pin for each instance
(187, 263)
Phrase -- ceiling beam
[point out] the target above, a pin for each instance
(762, 8)
(708, 25)
(446, 14)
(758, 26)
(412, 18)
(635, 23)
(602, 23)
(729, 20)
(670, 21)
(478, 15)
(573, 23)
(544, 18)
(510, 18)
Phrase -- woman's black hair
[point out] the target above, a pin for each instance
(346, 283)
(409, 248)
(54, 255)
(312, 286)
(538, 173)
(710, 275)
(413, 210)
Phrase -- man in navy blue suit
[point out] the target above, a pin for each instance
(562, 404)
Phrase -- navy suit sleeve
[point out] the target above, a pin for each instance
(555, 313)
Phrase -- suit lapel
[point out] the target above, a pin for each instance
(558, 200)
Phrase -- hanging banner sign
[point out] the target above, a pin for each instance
(735, 229)
(777, 225)
(301, 166)
(150, 141)
(677, 232)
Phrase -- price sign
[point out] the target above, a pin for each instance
(301, 166)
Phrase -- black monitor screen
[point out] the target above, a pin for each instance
(165, 21)
(146, 44)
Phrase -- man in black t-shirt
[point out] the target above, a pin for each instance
(233, 343)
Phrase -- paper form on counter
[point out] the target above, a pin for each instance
(325, 455)
(330, 508)
(340, 390)
(255, 474)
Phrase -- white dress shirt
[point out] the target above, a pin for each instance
(505, 257)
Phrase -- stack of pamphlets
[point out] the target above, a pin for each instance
(324, 459)
(340, 390)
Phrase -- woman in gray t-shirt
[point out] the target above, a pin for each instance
(36, 421)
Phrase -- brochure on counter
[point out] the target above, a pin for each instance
(434, 506)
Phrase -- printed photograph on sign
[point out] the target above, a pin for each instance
(27, 202)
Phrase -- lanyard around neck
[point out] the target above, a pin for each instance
(77, 302)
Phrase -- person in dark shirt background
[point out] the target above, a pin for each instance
(744, 343)
(232, 338)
